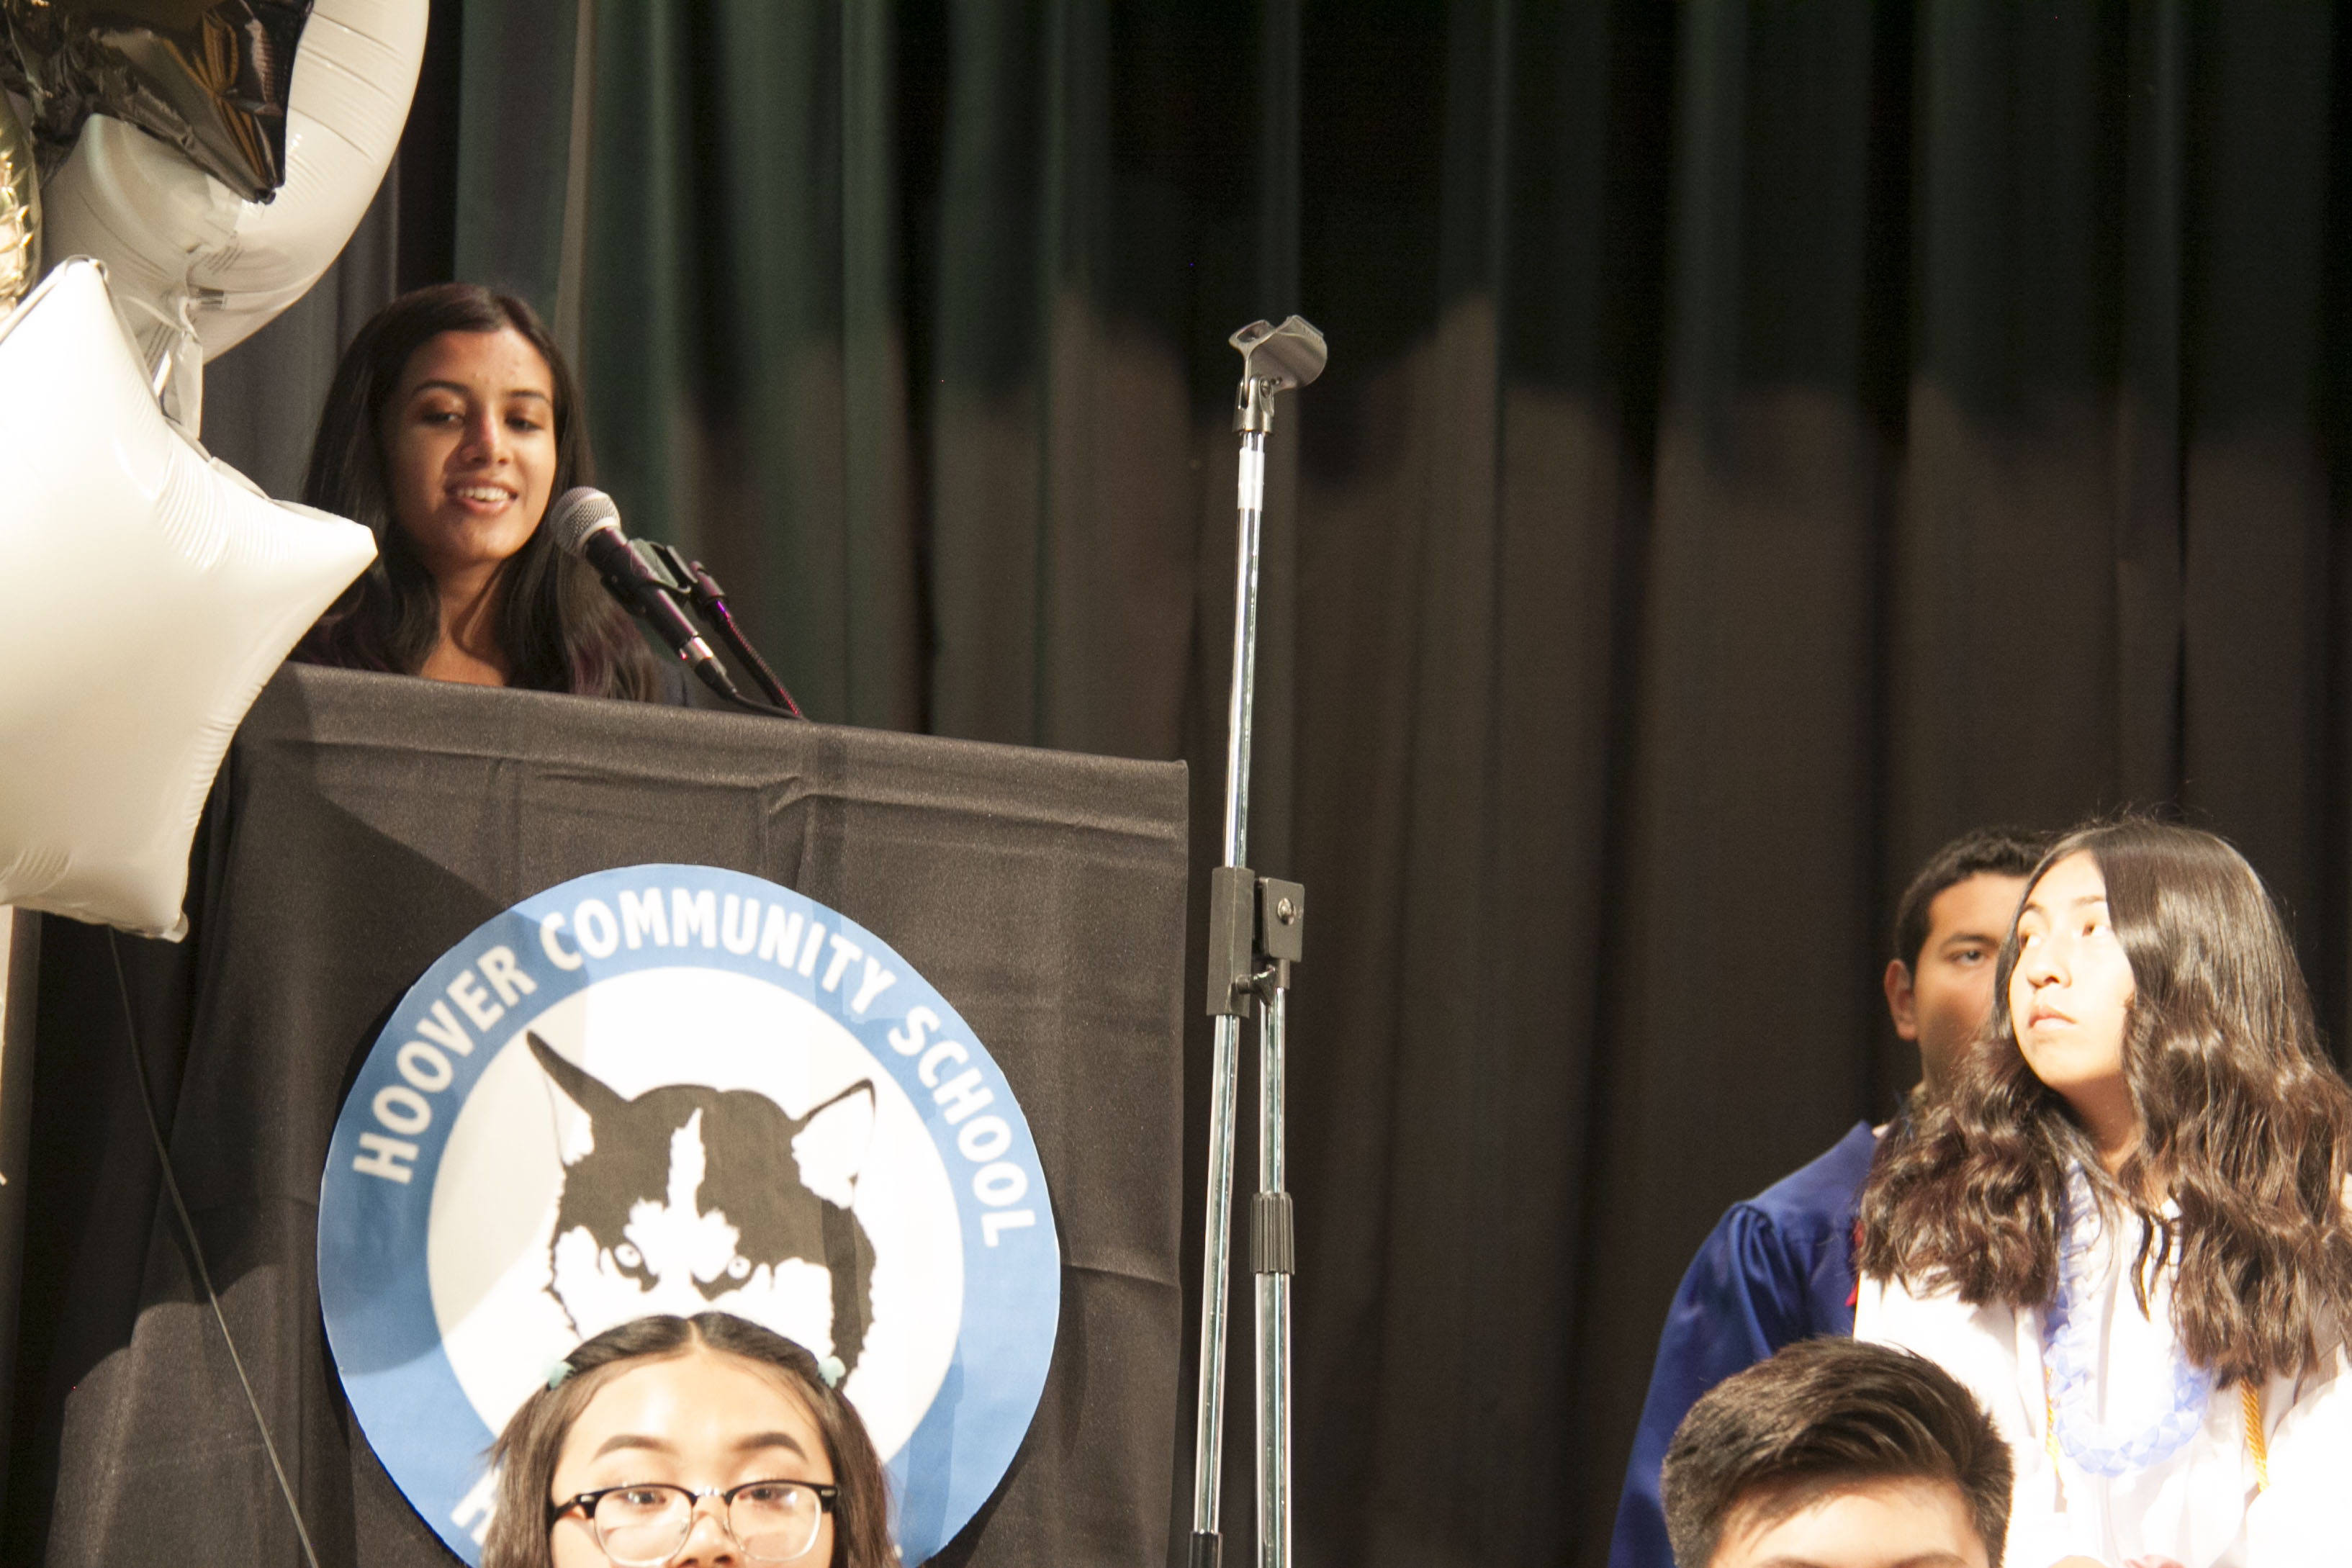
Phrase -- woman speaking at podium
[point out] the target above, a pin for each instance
(452, 420)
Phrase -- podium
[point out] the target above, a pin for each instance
(362, 824)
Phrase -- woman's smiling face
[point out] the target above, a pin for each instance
(470, 450)
(2070, 994)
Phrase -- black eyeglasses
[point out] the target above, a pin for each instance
(643, 1524)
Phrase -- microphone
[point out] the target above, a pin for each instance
(586, 524)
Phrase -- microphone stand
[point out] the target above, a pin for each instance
(1256, 930)
(688, 583)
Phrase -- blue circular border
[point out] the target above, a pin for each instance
(374, 1288)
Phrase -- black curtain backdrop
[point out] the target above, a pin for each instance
(1761, 442)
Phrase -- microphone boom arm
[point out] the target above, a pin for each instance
(650, 581)
(689, 580)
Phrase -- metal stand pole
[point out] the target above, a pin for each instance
(1271, 1255)
(1216, 1236)
(1250, 953)
(20, 962)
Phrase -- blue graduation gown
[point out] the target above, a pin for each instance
(1778, 1269)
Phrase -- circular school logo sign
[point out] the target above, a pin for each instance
(675, 1088)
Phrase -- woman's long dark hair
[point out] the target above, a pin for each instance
(558, 628)
(2244, 1125)
(526, 1453)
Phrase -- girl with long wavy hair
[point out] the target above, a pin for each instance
(2125, 1227)
(452, 421)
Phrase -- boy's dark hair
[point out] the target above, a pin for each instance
(1987, 851)
(1820, 1416)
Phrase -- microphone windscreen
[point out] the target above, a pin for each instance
(579, 512)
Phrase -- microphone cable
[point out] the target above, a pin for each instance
(195, 1250)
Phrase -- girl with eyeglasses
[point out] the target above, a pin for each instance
(669, 1442)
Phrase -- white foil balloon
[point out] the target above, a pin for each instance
(140, 206)
(146, 593)
(354, 75)
(195, 271)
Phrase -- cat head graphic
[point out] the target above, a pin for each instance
(693, 1198)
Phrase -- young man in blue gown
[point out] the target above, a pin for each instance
(1778, 1267)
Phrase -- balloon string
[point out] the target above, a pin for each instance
(195, 1252)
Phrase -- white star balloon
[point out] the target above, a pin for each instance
(146, 593)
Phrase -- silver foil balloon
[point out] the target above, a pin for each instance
(20, 209)
(209, 77)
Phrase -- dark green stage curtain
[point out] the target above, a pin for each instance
(1761, 442)
(744, 357)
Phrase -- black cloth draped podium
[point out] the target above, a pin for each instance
(362, 824)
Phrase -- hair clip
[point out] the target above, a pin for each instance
(556, 1371)
(831, 1371)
